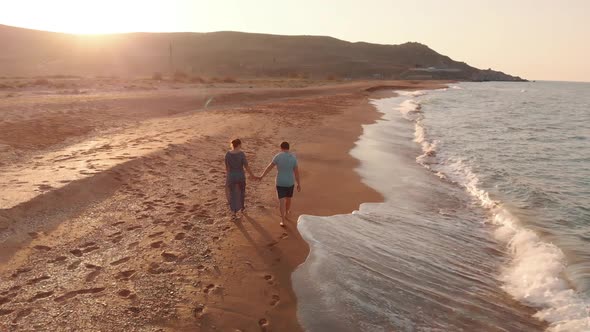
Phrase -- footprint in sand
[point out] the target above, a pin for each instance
(4, 312)
(114, 235)
(70, 295)
(90, 277)
(180, 236)
(158, 221)
(125, 275)
(22, 314)
(199, 310)
(170, 256)
(76, 252)
(124, 293)
(156, 244)
(121, 261)
(275, 300)
(155, 268)
(44, 187)
(263, 323)
(41, 295)
(74, 265)
(269, 279)
(42, 248)
(90, 249)
(208, 289)
(57, 259)
(117, 239)
(134, 310)
(153, 235)
(36, 280)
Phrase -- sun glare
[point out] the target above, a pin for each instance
(108, 17)
(89, 17)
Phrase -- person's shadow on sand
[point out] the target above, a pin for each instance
(266, 237)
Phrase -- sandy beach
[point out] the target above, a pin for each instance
(113, 215)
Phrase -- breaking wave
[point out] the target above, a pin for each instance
(535, 273)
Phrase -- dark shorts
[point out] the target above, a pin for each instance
(285, 191)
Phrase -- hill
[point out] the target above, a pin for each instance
(28, 52)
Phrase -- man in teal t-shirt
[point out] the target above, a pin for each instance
(287, 177)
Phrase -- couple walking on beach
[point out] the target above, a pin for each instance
(286, 179)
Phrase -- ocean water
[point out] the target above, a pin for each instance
(486, 219)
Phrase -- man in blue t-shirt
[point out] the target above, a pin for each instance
(287, 177)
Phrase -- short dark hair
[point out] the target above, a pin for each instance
(285, 145)
(235, 143)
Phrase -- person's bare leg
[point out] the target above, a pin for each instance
(282, 204)
(288, 206)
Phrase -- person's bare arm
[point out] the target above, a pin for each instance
(266, 170)
(296, 171)
(247, 167)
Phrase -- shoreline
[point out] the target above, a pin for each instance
(148, 244)
(331, 186)
(342, 263)
(325, 163)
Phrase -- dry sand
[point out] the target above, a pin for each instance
(113, 216)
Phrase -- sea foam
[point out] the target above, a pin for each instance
(535, 274)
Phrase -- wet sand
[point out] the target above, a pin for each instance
(113, 215)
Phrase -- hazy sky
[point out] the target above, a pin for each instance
(535, 39)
